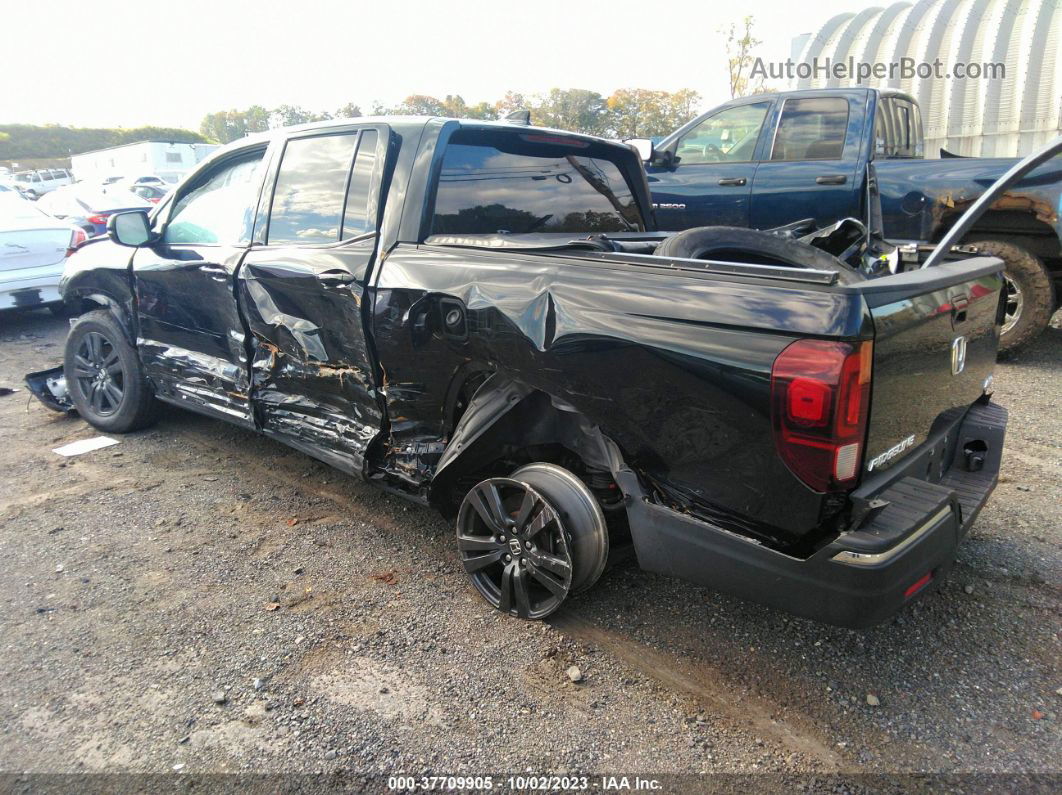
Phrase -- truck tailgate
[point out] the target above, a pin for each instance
(936, 331)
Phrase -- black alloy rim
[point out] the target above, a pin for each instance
(514, 548)
(99, 375)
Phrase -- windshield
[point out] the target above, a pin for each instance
(496, 181)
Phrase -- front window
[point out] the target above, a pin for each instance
(727, 137)
(506, 182)
(219, 210)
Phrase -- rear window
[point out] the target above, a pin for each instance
(310, 190)
(811, 129)
(493, 181)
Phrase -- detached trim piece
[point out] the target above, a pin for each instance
(877, 558)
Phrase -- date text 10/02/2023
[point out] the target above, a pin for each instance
(524, 782)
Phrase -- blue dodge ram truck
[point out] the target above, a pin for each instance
(772, 159)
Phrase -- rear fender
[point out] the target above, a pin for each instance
(506, 415)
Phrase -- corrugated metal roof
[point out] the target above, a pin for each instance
(970, 116)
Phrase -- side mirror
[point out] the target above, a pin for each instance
(644, 148)
(129, 229)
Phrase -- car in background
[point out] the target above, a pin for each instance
(40, 181)
(151, 191)
(33, 251)
(89, 207)
(10, 191)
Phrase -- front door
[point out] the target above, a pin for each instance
(302, 290)
(191, 337)
(709, 179)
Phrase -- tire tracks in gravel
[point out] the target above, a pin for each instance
(705, 685)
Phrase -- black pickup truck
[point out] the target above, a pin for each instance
(475, 316)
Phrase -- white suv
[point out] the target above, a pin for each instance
(43, 180)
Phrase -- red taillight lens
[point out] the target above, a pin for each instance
(77, 237)
(98, 219)
(820, 394)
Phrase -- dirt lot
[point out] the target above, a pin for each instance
(140, 629)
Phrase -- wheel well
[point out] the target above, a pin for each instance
(507, 425)
(1022, 228)
(85, 302)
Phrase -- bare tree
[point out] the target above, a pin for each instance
(739, 47)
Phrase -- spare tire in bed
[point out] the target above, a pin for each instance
(735, 244)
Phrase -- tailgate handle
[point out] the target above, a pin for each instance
(831, 179)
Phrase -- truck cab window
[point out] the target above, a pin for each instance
(311, 186)
(356, 220)
(811, 129)
(532, 182)
(219, 210)
(727, 137)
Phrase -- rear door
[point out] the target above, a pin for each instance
(191, 336)
(810, 169)
(710, 179)
(302, 289)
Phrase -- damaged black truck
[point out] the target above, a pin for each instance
(479, 317)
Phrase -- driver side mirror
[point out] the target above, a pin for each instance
(644, 147)
(131, 229)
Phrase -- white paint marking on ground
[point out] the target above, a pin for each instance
(85, 446)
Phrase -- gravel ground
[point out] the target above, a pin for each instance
(200, 599)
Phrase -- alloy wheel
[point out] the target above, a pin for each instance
(1015, 300)
(99, 374)
(514, 548)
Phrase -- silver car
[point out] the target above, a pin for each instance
(33, 250)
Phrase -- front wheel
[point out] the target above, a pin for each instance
(104, 376)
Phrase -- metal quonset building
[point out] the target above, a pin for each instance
(979, 117)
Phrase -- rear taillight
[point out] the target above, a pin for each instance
(820, 395)
(99, 220)
(77, 237)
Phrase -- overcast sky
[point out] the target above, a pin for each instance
(106, 63)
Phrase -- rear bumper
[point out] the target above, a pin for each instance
(861, 578)
(19, 289)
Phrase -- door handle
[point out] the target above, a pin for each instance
(831, 179)
(733, 181)
(335, 278)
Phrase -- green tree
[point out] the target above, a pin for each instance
(287, 115)
(348, 111)
(510, 102)
(575, 109)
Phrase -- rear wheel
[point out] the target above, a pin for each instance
(1030, 293)
(529, 541)
(104, 376)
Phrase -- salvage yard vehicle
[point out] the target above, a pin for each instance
(33, 249)
(476, 316)
(768, 160)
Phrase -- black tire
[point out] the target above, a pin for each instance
(581, 514)
(1030, 293)
(736, 244)
(105, 378)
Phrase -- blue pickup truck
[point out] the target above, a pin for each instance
(772, 159)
